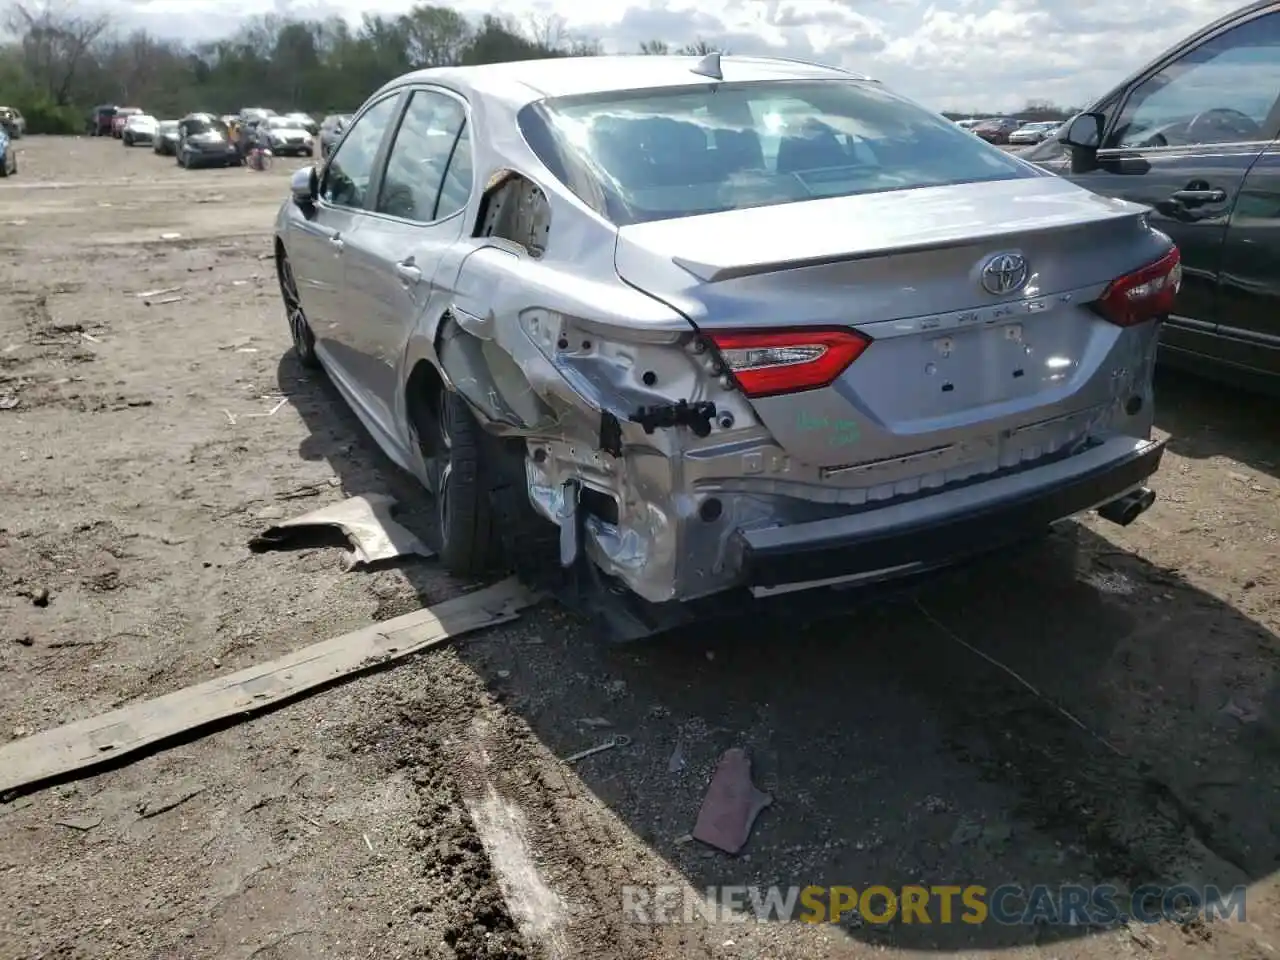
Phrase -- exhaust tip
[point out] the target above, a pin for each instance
(1128, 508)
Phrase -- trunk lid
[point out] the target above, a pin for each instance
(954, 372)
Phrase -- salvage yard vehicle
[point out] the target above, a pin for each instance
(98, 123)
(284, 137)
(330, 130)
(120, 118)
(1192, 137)
(13, 122)
(1032, 133)
(165, 142)
(205, 141)
(139, 128)
(8, 155)
(705, 328)
(305, 121)
(997, 129)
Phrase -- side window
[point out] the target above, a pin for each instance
(1220, 92)
(349, 170)
(415, 182)
(456, 190)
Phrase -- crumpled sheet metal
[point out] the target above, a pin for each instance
(364, 521)
(731, 804)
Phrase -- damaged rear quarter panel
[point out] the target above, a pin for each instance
(557, 343)
(543, 344)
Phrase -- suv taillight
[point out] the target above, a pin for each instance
(1143, 295)
(769, 362)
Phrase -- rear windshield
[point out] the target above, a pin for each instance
(677, 152)
(206, 126)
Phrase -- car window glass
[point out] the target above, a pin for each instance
(1220, 92)
(675, 153)
(349, 170)
(419, 157)
(456, 190)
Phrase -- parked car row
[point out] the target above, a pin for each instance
(290, 131)
(207, 139)
(1010, 130)
(1035, 132)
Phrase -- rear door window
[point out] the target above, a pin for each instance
(415, 186)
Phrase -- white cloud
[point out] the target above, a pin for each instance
(993, 54)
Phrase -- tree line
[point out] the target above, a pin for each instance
(64, 60)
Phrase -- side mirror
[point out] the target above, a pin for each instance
(1084, 132)
(1082, 135)
(305, 187)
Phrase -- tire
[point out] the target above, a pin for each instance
(469, 544)
(304, 340)
(485, 522)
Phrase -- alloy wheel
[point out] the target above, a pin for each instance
(443, 465)
(304, 341)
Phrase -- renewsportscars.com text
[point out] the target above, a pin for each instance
(1008, 904)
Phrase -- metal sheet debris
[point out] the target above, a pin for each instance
(364, 521)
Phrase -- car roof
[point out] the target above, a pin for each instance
(530, 80)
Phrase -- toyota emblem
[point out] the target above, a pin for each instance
(1003, 274)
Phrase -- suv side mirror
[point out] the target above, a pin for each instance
(304, 186)
(1084, 132)
(1083, 136)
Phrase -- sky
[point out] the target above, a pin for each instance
(946, 54)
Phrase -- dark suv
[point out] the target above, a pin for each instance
(1192, 135)
(100, 119)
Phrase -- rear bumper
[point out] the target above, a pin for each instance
(219, 159)
(946, 527)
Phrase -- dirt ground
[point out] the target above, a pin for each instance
(422, 811)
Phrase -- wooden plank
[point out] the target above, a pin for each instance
(102, 739)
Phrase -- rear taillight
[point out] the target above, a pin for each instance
(1144, 294)
(769, 362)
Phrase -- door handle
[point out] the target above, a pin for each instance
(1193, 198)
(408, 271)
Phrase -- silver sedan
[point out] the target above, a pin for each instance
(710, 327)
